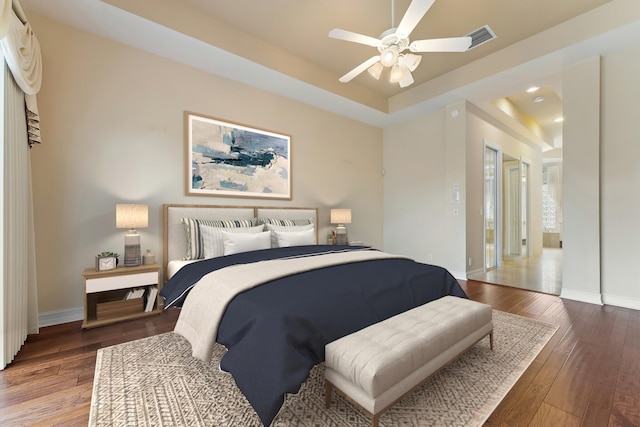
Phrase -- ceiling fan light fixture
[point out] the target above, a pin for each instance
(375, 70)
(412, 61)
(389, 56)
(396, 74)
(406, 78)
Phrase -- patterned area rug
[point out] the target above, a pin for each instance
(155, 382)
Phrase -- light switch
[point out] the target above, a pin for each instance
(455, 197)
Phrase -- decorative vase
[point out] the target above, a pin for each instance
(148, 258)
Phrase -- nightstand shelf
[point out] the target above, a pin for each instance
(105, 291)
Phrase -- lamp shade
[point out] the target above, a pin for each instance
(340, 216)
(396, 74)
(375, 70)
(411, 61)
(132, 216)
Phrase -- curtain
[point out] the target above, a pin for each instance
(19, 286)
(21, 50)
(5, 14)
(22, 76)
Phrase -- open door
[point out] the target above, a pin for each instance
(492, 211)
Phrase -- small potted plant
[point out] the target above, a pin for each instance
(106, 260)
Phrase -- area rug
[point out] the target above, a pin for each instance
(155, 382)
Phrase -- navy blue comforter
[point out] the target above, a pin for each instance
(275, 333)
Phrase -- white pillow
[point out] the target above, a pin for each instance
(212, 240)
(295, 238)
(274, 239)
(235, 243)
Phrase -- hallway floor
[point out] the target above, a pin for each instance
(541, 273)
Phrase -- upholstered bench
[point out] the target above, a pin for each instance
(376, 366)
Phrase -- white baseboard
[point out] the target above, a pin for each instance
(459, 275)
(619, 301)
(62, 316)
(588, 297)
(475, 272)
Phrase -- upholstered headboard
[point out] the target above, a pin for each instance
(174, 240)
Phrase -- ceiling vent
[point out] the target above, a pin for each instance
(481, 36)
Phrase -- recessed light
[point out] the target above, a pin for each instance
(558, 120)
(538, 99)
(533, 89)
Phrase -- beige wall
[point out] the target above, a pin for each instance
(601, 179)
(455, 224)
(414, 182)
(112, 121)
(620, 177)
(581, 181)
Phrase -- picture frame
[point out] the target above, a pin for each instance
(228, 159)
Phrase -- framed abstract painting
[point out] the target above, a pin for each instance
(232, 160)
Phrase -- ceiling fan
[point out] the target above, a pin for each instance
(392, 43)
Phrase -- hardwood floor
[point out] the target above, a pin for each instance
(587, 375)
(542, 273)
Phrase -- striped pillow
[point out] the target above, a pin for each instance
(285, 222)
(194, 237)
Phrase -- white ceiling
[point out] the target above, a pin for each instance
(282, 46)
(301, 27)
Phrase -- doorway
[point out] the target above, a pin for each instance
(507, 230)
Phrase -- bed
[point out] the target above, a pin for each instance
(275, 308)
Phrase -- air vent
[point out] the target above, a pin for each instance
(480, 36)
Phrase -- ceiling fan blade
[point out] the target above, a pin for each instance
(349, 36)
(413, 15)
(453, 44)
(359, 69)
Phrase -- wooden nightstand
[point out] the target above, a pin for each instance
(105, 292)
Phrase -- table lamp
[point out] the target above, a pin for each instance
(341, 217)
(132, 216)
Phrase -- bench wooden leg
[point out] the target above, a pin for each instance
(491, 340)
(374, 420)
(327, 394)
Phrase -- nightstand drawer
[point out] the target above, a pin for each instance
(101, 284)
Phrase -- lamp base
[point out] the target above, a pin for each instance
(341, 235)
(132, 254)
